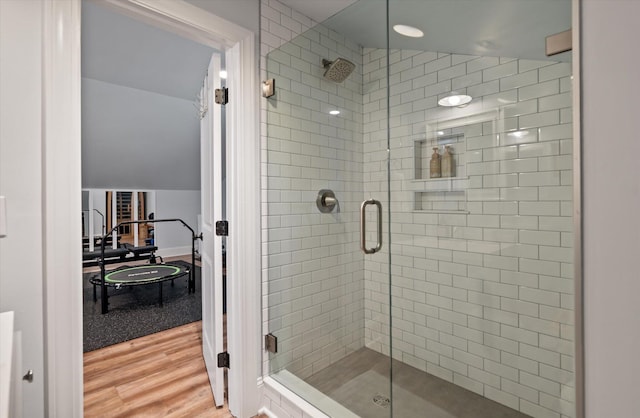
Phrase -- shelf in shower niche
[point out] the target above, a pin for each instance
(440, 200)
(444, 184)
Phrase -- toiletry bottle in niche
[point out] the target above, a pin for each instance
(448, 164)
(434, 164)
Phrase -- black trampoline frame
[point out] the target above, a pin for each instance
(104, 296)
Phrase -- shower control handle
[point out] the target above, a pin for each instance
(363, 226)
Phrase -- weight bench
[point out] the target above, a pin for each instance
(141, 252)
(111, 255)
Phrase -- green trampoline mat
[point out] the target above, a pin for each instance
(144, 274)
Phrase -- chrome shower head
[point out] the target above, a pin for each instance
(338, 70)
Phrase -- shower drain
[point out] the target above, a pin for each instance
(381, 400)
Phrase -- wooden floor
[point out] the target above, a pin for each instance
(160, 375)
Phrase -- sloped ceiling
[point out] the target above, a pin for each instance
(139, 123)
(318, 10)
(245, 13)
(508, 28)
(119, 50)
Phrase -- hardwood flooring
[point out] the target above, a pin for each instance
(160, 375)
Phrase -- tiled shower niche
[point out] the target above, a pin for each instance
(447, 194)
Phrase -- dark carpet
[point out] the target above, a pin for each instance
(134, 311)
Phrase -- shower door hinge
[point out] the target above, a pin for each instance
(222, 228)
(29, 376)
(223, 360)
(222, 96)
(271, 343)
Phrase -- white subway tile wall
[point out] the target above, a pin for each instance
(278, 405)
(313, 270)
(481, 270)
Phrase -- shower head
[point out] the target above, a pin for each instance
(338, 70)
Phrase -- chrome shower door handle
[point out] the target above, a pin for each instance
(363, 227)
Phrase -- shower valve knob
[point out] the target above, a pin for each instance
(326, 201)
(329, 201)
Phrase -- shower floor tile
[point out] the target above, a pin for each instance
(360, 382)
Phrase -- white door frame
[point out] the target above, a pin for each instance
(62, 158)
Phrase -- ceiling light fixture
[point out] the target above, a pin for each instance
(486, 45)
(334, 112)
(409, 31)
(454, 99)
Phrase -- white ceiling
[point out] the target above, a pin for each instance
(508, 28)
(120, 50)
(318, 10)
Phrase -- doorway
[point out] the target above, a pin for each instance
(61, 108)
(144, 128)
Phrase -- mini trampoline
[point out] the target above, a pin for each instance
(151, 273)
(141, 275)
(146, 274)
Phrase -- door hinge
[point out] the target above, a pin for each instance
(29, 376)
(271, 343)
(222, 228)
(222, 96)
(223, 359)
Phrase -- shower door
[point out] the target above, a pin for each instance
(418, 216)
(482, 231)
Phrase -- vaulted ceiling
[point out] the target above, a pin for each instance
(119, 50)
(508, 28)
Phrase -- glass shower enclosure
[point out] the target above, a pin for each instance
(417, 211)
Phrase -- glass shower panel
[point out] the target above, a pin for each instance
(326, 153)
(471, 292)
(481, 212)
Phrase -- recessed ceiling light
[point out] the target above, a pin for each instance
(454, 99)
(440, 132)
(486, 45)
(334, 112)
(223, 74)
(409, 31)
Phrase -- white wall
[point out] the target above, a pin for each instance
(99, 202)
(21, 255)
(611, 187)
(173, 238)
(245, 13)
(135, 139)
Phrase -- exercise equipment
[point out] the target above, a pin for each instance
(141, 275)
(151, 273)
(123, 253)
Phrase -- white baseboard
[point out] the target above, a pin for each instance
(265, 411)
